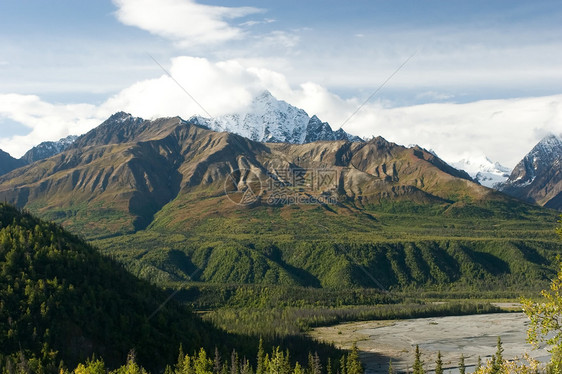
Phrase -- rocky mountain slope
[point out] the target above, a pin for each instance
(270, 120)
(39, 152)
(537, 178)
(129, 168)
(48, 149)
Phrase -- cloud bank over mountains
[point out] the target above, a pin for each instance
(502, 129)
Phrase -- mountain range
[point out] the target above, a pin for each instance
(134, 167)
(177, 202)
(39, 152)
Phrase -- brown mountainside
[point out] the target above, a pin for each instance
(115, 178)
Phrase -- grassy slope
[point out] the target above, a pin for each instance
(393, 245)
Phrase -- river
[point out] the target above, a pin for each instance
(473, 336)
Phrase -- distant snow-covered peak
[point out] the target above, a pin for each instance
(268, 119)
(483, 170)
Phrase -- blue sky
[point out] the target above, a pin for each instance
(66, 64)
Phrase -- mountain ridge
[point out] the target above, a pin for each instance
(537, 178)
(48, 149)
(171, 199)
(144, 165)
(39, 152)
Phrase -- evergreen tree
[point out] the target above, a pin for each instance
(499, 351)
(497, 359)
(314, 365)
(418, 363)
(343, 366)
(246, 368)
(462, 366)
(260, 359)
(184, 364)
(224, 369)
(217, 361)
(478, 364)
(439, 364)
(353, 363)
(202, 364)
(329, 369)
(390, 368)
(234, 363)
(179, 364)
(298, 369)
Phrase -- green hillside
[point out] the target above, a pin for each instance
(393, 246)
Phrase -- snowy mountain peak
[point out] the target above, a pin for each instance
(537, 178)
(483, 170)
(547, 150)
(267, 119)
(545, 155)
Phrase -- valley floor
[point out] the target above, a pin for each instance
(471, 335)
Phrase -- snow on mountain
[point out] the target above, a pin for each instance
(546, 154)
(537, 178)
(270, 120)
(48, 149)
(483, 170)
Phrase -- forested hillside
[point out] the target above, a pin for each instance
(62, 300)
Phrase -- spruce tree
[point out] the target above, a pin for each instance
(499, 351)
(234, 363)
(439, 364)
(246, 368)
(329, 366)
(418, 363)
(260, 359)
(298, 369)
(343, 366)
(314, 365)
(217, 362)
(497, 359)
(353, 363)
(390, 368)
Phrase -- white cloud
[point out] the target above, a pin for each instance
(254, 22)
(46, 121)
(183, 21)
(504, 130)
